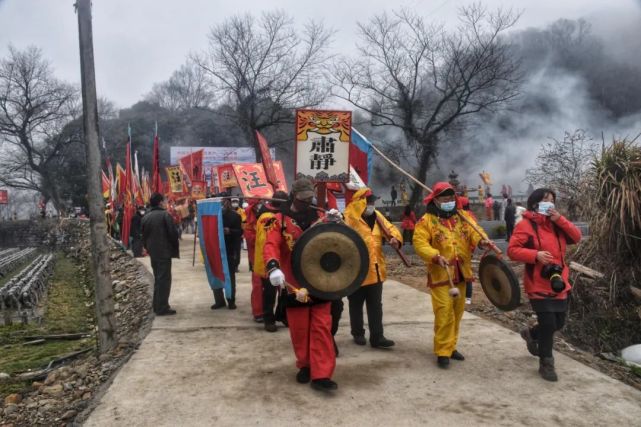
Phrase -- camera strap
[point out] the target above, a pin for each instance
(535, 227)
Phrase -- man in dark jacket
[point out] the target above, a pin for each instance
(232, 227)
(509, 218)
(136, 232)
(160, 238)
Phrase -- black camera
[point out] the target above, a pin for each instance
(553, 273)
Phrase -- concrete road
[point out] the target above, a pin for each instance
(202, 368)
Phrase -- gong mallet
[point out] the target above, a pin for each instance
(388, 236)
(454, 292)
(463, 217)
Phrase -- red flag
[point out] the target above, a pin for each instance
(128, 193)
(268, 163)
(192, 165)
(156, 180)
(252, 180)
(121, 179)
(106, 185)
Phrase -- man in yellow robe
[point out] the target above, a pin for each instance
(446, 243)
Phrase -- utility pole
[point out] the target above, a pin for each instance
(100, 254)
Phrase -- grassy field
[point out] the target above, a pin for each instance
(68, 310)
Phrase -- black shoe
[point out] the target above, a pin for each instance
(303, 376)
(546, 369)
(271, 327)
(217, 306)
(324, 384)
(457, 356)
(168, 312)
(443, 362)
(360, 339)
(231, 304)
(382, 343)
(531, 343)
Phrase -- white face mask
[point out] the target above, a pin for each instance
(234, 205)
(369, 210)
(544, 207)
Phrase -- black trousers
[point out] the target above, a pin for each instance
(337, 312)
(219, 294)
(136, 246)
(269, 299)
(548, 323)
(372, 296)
(162, 283)
(509, 229)
(408, 235)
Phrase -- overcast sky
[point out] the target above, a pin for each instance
(139, 42)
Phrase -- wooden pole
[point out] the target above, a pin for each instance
(463, 217)
(100, 254)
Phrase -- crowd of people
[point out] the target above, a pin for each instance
(443, 238)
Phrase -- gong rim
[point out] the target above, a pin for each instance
(327, 248)
(492, 267)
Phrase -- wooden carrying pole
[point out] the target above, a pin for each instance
(388, 236)
(463, 217)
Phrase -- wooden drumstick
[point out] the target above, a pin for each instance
(454, 292)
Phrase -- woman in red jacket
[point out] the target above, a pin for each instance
(540, 241)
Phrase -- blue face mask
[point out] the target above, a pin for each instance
(448, 206)
(544, 207)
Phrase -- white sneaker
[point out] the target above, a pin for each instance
(468, 301)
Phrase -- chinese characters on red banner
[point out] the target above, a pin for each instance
(252, 180)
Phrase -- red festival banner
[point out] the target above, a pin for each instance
(198, 190)
(226, 176)
(281, 182)
(4, 197)
(268, 163)
(252, 180)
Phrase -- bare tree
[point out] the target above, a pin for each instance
(188, 87)
(425, 80)
(265, 68)
(35, 111)
(563, 166)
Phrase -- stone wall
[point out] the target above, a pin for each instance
(51, 233)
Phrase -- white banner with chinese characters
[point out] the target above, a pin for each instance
(322, 145)
(214, 156)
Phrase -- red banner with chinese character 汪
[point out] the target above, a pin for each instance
(252, 180)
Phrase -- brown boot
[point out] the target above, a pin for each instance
(531, 343)
(546, 369)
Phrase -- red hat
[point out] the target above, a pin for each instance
(438, 189)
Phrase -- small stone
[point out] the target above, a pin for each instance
(13, 399)
(10, 409)
(54, 390)
(86, 396)
(51, 378)
(36, 384)
(4, 377)
(69, 414)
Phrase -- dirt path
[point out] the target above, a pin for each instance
(202, 367)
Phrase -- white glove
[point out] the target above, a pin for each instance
(334, 214)
(302, 295)
(277, 277)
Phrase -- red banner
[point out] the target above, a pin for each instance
(252, 180)
(268, 163)
(281, 182)
(193, 165)
(4, 197)
(226, 176)
(198, 190)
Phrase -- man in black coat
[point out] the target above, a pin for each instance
(510, 219)
(136, 232)
(232, 227)
(160, 238)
